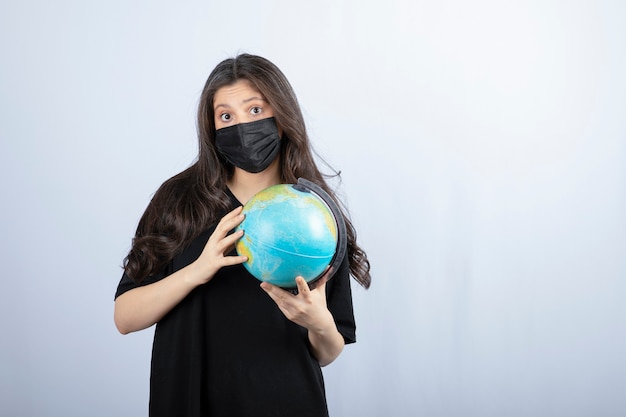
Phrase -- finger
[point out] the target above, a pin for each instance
(321, 282)
(329, 272)
(327, 276)
(278, 294)
(230, 240)
(271, 291)
(268, 288)
(233, 212)
(224, 244)
(303, 287)
(231, 223)
(232, 219)
(234, 260)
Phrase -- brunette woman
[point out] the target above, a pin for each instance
(224, 344)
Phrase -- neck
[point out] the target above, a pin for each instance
(244, 185)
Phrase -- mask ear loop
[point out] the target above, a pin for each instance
(304, 185)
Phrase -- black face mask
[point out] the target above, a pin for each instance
(249, 146)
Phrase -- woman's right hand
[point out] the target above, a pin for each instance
(215, 256)
(143, 306)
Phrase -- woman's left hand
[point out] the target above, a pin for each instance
(307, 308)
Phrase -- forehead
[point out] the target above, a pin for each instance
(236, 93)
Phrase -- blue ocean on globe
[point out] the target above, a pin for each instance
(287, 233)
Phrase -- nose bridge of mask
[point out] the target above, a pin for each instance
(252, 132)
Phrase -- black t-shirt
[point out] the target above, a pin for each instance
(227, 350)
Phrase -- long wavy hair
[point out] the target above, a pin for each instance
(191, 201)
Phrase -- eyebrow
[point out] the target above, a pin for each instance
(243, 102)
(253, 98)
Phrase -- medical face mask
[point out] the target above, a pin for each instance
(249, 146)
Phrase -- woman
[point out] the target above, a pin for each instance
(223, 344)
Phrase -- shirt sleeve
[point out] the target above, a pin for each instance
(339, 301)
(127, 284)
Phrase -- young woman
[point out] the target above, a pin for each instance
(224, 344)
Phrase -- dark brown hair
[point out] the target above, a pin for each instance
(188, 203)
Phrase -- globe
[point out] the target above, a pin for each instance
(290, 230)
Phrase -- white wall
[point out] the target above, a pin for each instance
(483, 151)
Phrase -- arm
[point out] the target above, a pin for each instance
(308, 309)
(326, 342)
(142, 307)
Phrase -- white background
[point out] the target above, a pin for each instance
(483, 152)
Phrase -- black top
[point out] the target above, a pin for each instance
(227, 350)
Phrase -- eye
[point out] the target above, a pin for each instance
(256, 110)
(225, 117)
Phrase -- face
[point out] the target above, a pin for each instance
(239, 103)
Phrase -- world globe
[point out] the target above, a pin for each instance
(291, 230)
